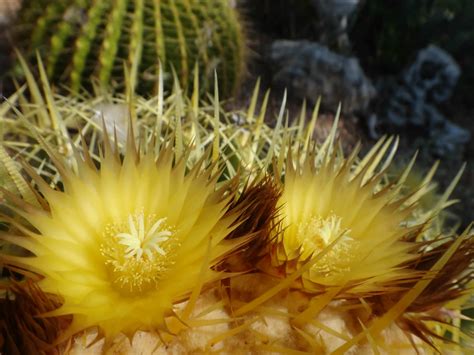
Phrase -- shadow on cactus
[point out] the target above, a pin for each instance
(81, 39)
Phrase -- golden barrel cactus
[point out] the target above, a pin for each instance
(201, 233)
(80, 39)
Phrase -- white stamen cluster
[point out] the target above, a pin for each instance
(141, 242)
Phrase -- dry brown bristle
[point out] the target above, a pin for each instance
(23, 330)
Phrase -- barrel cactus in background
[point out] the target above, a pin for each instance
(80, 38)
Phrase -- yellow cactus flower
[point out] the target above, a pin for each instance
(120, 244)
(336, 218)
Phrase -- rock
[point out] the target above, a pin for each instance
(116, 118)
(446, 138)
(310, 70)
(335, 17)
(410, 103)
(434, 74)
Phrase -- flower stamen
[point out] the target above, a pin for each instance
(316, 233)
(138, 252)
(140, 242)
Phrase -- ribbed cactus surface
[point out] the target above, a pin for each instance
(80, 39)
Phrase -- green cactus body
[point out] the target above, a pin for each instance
(83, 38)
(112, 36)
(38, 23)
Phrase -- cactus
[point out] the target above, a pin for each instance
(84, 38)
(326, 259)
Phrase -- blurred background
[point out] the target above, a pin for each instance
(403, 67)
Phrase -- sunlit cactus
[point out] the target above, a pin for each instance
(80, 38)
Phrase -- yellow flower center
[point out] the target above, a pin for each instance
(316, 233)
(138, 252)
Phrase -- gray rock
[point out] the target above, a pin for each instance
(411, 101)
(434, 74)
(116, 118)
(335, 17)
(310, 70)
(446, 138)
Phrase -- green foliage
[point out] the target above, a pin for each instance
(80, 38)
(389, 33)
